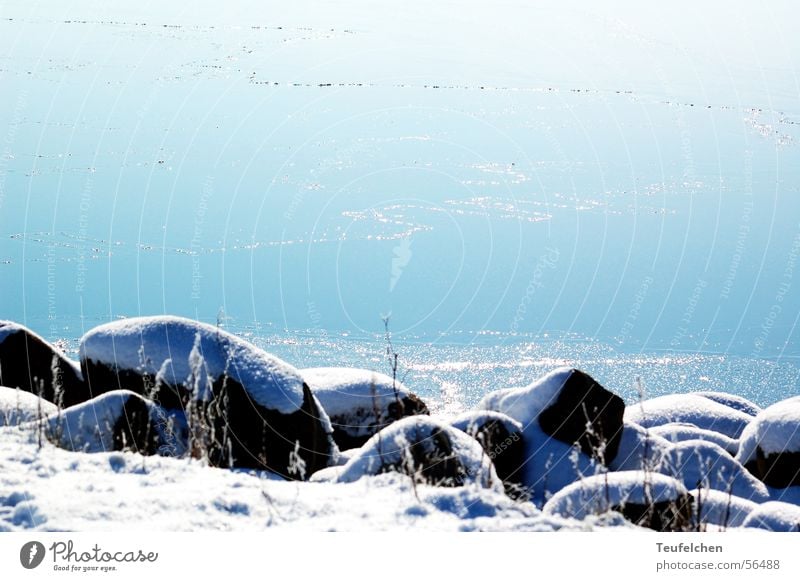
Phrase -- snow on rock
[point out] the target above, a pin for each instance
(715, 510)
(686, 432)
(30, 363)
(736, 402)
(360, 402)
(173, 357)
(688, 409)
(705, 465)
(18, 406)
(775, 516)
(639, 449)
(770, 445)
(568, 405)
(255, 410)
(117, 420)
(650, 500)
(501, 439)
(428, 451)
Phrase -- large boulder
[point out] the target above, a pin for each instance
(704, 465)
(18, 407)
(693, 409)
(501, 438)
(649, 500)
(770, 445)
(360, 402)
(244, 407)
(30, 363)
(568, 405)
(115, 421)
(428, 451)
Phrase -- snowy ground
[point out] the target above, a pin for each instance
(125, 491)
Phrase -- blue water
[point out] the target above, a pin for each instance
(519, 186)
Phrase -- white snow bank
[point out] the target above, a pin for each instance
(127, 492)
(720, 509)
(775, 516)
(165, 346)
(18, 406)
(776, 429)
(706, 463)
(639, 449)
(730, 400)
(688, 409)
(391, 447)
(598, 494)
(687, 432)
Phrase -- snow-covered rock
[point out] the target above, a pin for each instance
(18, 406)
(650, 500)
(770, 445)
(257, 411)
(688, 409)
(173, 358)
(117, 420)
(705, 465)
(360, 402)
(687, 432)
(736, 402)
(775, 516)
(639, 449)
(32, 364)
(428, 451)
(568, 405)
(715, 510)
(501, 438)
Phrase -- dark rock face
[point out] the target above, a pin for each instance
(247, 435)
(666, 516)
(583, 401)
(501, 438)
(777, 470)
(31, 364)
